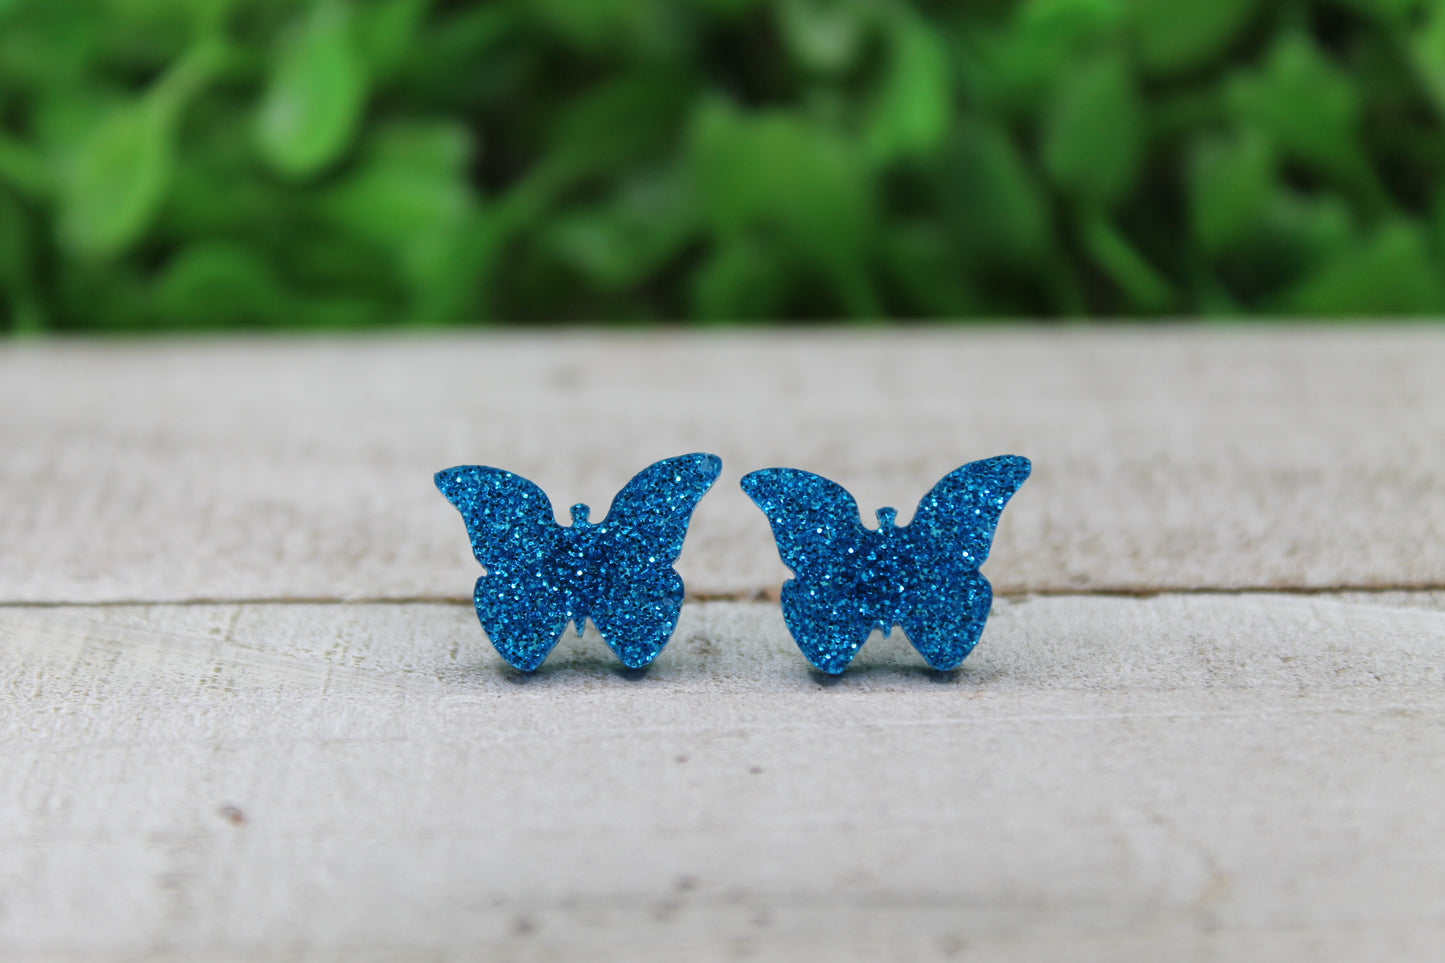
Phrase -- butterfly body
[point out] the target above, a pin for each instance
(922, 577)
(617, 573)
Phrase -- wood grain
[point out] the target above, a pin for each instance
(1198, 777)
(1165, 459)
(246, 714)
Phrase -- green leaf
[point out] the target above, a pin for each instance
(779, 170)
(117, 183)
(994, 202)
(913, 109)
(103, 294)
(119, 178)
(1017, 66)
(1175, 38)
(24, 168)
(387, 33)
(344, 311)
(1229, 181)
(1388, 12)
(1069, 20)
(619, 122)
(923, 266)
(1145, 289)
(14, 245)
(462, 54)
(625, 26)
(410, 182)
(1093, 141)
(824, 37)
(219, 191)
(1393, 272)
(742, 279)
(18, 303)
(1427, 54)
(616, 244)
(1305, 103)
(409, 197)
(1296, 233)
(218, 284)
(316, 95)
(49, 46)
(1316, 227)
(1026, 157)
(730, 8)
(780, 173)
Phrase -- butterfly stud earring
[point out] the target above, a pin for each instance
(617, 572)
(851, 579)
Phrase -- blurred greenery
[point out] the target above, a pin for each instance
(182, 164)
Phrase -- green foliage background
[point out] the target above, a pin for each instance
(265, 163)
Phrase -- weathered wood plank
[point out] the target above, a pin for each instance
(1192, 777)
(1189, 458)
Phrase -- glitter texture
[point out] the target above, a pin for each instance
(617, 572)
(922, 577)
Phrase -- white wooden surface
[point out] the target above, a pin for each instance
(246, 713)
(1188, 458)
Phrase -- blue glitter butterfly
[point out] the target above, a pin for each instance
(851, 579)
(617, 572)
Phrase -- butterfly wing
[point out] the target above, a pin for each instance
(950, 537)
(958, 517)
(945, 628)
(514, 535)
(524, 621)
(637, 594)
(820, 537)
(828, 630)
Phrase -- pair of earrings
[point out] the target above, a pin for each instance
(849, 579)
